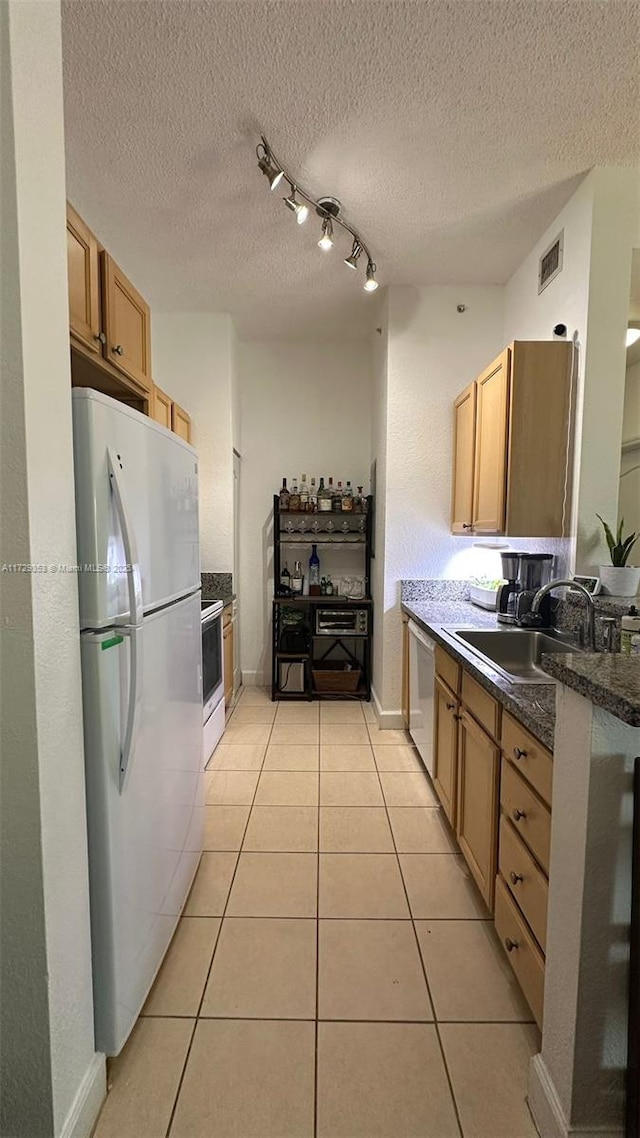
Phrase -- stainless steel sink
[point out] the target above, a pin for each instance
(515, 652)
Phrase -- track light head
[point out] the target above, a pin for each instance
(352, 260)
(299, 208)
(270, 171)
(371, 283)
(326, 241)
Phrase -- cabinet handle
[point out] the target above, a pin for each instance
(467, 525)
(458, 717)
(518, 753)
(510, 944)
(518, 814)
(118, 349)
(450, 706)
(101, 337)
(515, 877)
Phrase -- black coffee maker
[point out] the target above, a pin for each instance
(524, 574)
(506, 599)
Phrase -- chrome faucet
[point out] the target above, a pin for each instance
(589, 634)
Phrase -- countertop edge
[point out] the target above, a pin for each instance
(606, 690)
(513, 697)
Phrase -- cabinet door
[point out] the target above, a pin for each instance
(227, 635)
(180, 422)
(491, 447)
(445, 747)
(405, 671)
(127, 325)
(477, 822)
(464, 425)
(161, 406)
(84, 279)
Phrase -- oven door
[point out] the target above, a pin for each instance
(212, 660)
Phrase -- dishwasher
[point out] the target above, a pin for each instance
(421, 694)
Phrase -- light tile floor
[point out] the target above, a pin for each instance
(335, 973)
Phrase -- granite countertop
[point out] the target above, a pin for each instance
(610, 681)
(534, 705)
(226, 598)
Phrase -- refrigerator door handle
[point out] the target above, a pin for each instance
(133, 709)
(134, 581)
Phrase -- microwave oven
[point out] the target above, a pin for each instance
(342, 622)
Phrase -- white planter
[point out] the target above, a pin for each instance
(620, 581)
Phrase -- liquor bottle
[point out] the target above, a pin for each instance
(314, 572)
(313, 497)
(336, 504)
(357, 501)
(285, 577)
(294, 498)
(284, 496)
(325, 497)
(347, 500)
(297, 578)
(304, 495)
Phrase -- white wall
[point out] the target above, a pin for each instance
(50, 1078)
(590, 296)
(193, 361)
(631, 422)
(432, 353)
(305, 408)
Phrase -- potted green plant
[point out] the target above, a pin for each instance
(619, 579)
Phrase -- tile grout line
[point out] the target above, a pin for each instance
(422, 964)
(215, 946)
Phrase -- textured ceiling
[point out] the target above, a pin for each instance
(453, 131)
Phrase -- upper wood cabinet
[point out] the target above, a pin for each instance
(127, 324)
(84, 283)
(180, 422)
(518, 464)
(464, 423)
(161, 405)
(491, 440)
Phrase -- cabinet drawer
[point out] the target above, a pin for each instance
(524, 880)
(530, 817)
(533, 761)
(523, 954)
(482, 705)
(448, 669)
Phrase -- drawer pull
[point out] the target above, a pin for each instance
(514, 878)
(518, 814)
(510, 944)
(118, 349)
(518, 753)
(450, 706)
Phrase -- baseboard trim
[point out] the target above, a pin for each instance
(92, 1091)
(547, 1111)
(387, 720)
(253, 679)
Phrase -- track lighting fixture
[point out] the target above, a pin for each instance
(371, 283)
(299, 208)
(327, 208)
(352, 260)
(270, 169)
(326, 241)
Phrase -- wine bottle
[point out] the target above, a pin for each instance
(284, 496)
(285, 577)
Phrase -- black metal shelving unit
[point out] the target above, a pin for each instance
(292, 530)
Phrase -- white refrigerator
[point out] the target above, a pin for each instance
(139, 589)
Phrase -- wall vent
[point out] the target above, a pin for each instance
(550, 263)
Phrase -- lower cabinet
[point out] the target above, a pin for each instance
(227, 637)
(494, 779)
(445, 747)
(405, 670)
(477, 821)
